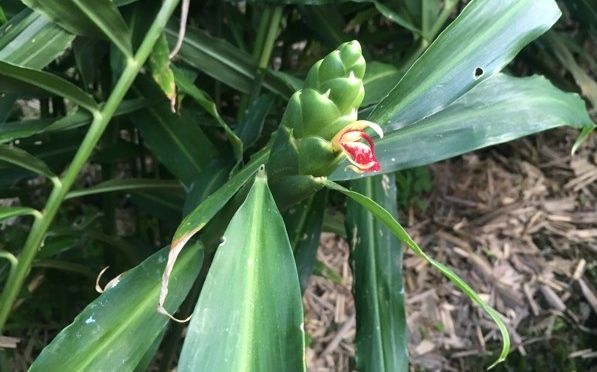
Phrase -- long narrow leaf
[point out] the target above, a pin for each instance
(376, 256)
(10, 131)
(200, 216)
(390, 222)
(23, 159)
(46, 81)
(10, 212)
(249, 316)
(205, 101)
(304, 224)
(176, 140)
(30, 39)
(223, 61)
(124, 185)
(87, 17)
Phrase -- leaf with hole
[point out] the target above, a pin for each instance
(495, 31)
(500, 109)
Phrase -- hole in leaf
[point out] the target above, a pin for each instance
(478, 73)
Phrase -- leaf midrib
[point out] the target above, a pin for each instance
(256, 228)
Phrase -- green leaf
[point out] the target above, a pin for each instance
(390, 222)
(19, 129)
(87, 17)
(30, 39)
(2, 17)
(204, 212)
(10, 73)
(393, 15)
(250, 128)
(23, 159)
(199, 217)
(498, 110)
(131, 184)
(215, 175)
(304, 223)
(114, 332)
(176, 140)
(166, 206)
(205, 101)
(10, 212)
(376, 255)
(494, 30)
(585, 82)
(326, 23)
(161, 71)
(379, 80)
(582, 137)
(249, 316)
(223, 61)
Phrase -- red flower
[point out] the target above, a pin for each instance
(358, 146)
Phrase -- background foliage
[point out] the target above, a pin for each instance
(239, 63)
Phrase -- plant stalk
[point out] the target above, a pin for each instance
(100, 121)
(266, 37)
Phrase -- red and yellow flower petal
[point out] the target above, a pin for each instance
(361, 154)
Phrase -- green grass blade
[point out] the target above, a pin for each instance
(114, 332)
(390, 222)
(249, 316)
(376, 256)
(378, 81)
(161, 70)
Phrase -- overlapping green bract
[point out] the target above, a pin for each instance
(328, 102)
(332, 93)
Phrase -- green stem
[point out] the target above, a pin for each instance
(12, 260)
(99, 124)
(264, 45)
(441, 19)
